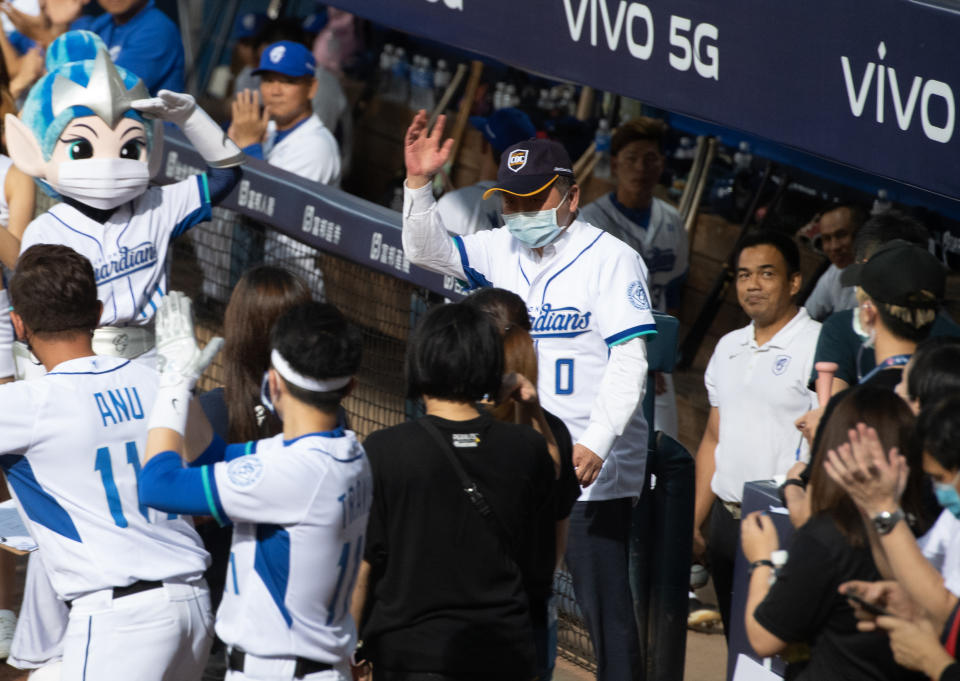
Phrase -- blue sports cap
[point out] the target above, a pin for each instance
(248, 25)
(504, 128)
(314, 23)
(289, 58)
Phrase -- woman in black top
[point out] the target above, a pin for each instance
(443, 587)
(803, 605)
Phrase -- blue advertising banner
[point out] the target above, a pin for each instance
(320, 216)
(867, 83)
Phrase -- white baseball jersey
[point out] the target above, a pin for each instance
(299, 510)
(71, 449)
(464, 211)
(309, 150)
(587, 294)
(129, 250)
(662, 243)
(5, 164)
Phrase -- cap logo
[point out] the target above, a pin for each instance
(276, 54)
(249, 21)
(518, 159)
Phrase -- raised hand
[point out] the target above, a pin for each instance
(874, 480)
(248, 125)
(175, 107)
(180, 358)
(424, 153)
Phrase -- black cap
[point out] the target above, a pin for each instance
(530, 167)
(899, 273)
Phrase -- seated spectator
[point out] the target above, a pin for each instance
(802, 605)
(246, 53)
(463, 210)
(443, 586)
(838, 227)
(900, 289)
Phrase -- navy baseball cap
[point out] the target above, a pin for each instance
(248, 25)
(530, 167)
(899, 273)
(314, 23)
(289, 58)
(504, 127)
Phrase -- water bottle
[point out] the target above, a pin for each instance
(882, 203)
(384, 70)
(602, 139)
(742, 158)
(399, 90)
(441, 79)
(421, 85)
(498, 95)
(510, 96)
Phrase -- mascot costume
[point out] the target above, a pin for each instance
(91, 135)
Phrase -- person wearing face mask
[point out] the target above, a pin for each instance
(587, 297)
(90, 135)
(900, 289)
(842, 336)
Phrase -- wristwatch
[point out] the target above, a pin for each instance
(885, 521)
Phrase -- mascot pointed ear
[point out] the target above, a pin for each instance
(156, 154)
(23, 147)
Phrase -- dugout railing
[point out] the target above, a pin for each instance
(349, 251)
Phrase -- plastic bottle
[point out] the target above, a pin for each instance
(441, 78)
(421, 84)
(882, 203)
(385, 67)
(399, 90)
(602, 139)
(498, 94)
(742, 159)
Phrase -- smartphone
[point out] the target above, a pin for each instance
(869, 607)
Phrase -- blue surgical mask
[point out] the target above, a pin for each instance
(947, 496)
(535, 228)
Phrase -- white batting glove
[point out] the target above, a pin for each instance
(180, 358)
(175, 107)
(204, 134)
(180, 361)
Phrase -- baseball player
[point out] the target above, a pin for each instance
(299, 501)
(650, 226)
(100, 163)
(587, 298)
(71, 452)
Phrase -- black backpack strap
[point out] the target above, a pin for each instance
(477, 500)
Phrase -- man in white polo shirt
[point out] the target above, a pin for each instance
(757, 385)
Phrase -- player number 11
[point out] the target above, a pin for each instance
(104, 464)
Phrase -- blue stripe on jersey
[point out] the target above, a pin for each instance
(271, 561)
(630, 333)
(577, 257)
(92, 238)
(86, 649)
(214, 452)
(88, 373)
(474, 278)
(201, 214)
(336, 432)
(36, 502)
